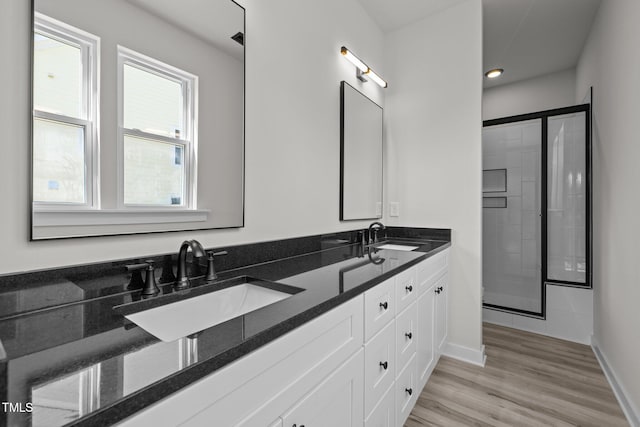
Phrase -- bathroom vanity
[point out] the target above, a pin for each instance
(354, 343)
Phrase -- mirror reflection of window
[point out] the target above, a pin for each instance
(66, 399)
(64, 111)
(71, 396)
(117, 147)
(158, 130)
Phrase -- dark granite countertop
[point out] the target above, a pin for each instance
(72, 340)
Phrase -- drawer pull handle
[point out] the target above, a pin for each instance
(437, 291)
(440, 288)
(409, 288)
(384, 365)
(384, 305)
(409, 391)
(408, 335)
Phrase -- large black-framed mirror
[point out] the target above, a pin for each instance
(360, 155)
(138, 116)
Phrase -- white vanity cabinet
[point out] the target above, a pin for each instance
(418, 336)
(364, 363)
(432, 274)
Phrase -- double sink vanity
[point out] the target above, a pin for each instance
(330, 330)
(319, 330)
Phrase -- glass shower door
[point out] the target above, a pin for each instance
(567, 218)
(511, 221)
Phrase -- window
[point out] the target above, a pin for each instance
(65, 100)
(157, 123)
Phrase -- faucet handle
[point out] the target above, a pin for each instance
(136, 281)
(211, 271)
(150, 287)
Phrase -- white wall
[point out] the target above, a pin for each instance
(569, 315)
(433, 137)
(293, 76)
(527, 96)
(610, 63)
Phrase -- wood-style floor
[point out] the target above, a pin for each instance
(528, 380)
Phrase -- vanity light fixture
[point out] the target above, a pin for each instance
(492, 74)
(362, 70)
(376, 78)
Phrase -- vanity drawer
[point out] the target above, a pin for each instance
(406, 290)
(406, 392)
(384, 414)
(429, 270)
(379, 307)
(379, 366)
(406, 326)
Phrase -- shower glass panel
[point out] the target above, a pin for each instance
(567, 199)
(512, 230)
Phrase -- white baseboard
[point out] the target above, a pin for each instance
(630, 411)
(465, 354)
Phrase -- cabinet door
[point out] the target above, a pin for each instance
(425, 357)
(441, 312)
(384, 414)
(379, 366)
(337, 401)
(379, 307)
(406, 392)
(405, 336)
(406, 290)
(429, 270)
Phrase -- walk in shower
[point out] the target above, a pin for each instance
(536, 215)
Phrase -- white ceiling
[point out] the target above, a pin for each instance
(213, 21)
(530, 38)
(393, 14)
(527, 38)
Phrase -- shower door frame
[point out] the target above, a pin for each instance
(544, 117)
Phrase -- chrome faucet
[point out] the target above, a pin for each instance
(373, 231)
(182, 282)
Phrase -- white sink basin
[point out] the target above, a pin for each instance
(398, 247)
(179, 319)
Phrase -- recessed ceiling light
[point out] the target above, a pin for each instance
(496, 72)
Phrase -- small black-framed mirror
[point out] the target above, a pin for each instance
(360, 155)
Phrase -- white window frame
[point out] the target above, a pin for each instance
(89, 46)
(188, 141)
